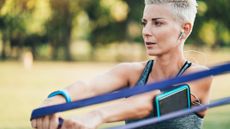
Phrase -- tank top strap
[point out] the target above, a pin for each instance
(145, 74)
(186, 65)
(148, 68)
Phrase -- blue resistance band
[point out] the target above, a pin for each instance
(39, 112)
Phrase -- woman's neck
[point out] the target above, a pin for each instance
(167, 65)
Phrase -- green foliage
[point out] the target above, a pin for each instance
(214, 22)
(59, 23)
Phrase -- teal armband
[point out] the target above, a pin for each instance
(62, 93)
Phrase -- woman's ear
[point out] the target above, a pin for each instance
(187, 28)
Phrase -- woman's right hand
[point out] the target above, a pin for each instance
(50, 121)
(46, 122)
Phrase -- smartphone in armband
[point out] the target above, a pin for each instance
(172, 100)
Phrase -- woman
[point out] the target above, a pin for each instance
(166, 26)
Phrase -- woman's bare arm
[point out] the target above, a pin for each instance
(201, 88)
(134, 107)
(118, 77)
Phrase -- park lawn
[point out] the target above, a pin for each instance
(22, 90)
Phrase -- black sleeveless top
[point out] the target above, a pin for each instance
(191, 121)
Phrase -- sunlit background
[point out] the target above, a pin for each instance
(46, 45)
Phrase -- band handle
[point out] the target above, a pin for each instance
(60, 122)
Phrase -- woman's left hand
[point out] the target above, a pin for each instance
(89, 121)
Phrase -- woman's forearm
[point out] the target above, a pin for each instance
(80, 90)
(76, 91)
(129, 108)
(110, 81)
(123, 110)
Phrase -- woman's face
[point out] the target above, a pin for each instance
(160, 29)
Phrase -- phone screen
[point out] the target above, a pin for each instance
(174, 102)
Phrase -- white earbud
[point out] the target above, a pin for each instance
(181, 34)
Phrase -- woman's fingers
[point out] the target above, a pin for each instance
(39, 123)
(53, 122)
(33, 123)
(45, 122)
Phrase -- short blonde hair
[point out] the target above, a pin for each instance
(184, 9)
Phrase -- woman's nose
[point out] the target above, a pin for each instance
(146, 31)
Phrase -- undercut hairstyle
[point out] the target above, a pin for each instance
(185, 10)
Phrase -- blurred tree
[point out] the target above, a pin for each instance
(17, 21)
(217, 10)
(31, 23)
(212, 26)
(59, 26)
(2, 26)
(104, 28)
(19, 24)
(13, 27)
(36, 35)
(110, 20)
(134, 20)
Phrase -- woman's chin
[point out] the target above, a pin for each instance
(152, 53)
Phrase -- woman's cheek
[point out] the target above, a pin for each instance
(169, 38)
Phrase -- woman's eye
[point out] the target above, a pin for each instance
(157, 23)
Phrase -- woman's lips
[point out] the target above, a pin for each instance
(148, 44)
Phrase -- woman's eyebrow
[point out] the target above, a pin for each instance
(153, 19)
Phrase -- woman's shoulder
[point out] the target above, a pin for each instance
(132, 70)
(128, 68)
(131, 66)
(197, 67)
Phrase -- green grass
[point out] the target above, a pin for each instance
(22, 90)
